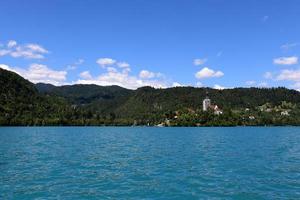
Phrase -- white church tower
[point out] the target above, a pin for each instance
(206, 103)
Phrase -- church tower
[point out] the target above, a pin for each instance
(206, 103)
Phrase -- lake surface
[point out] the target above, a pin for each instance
(149, 163)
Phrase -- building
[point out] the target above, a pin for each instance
(208, 106)
(285, 113)
(216, 109)
(206, 103)
(251, 117)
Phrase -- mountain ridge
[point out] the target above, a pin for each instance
(25, 103)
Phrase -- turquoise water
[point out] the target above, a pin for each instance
(149, 163)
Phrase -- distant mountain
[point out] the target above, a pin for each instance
(44, 87)
(103, 99)
(23, 103)
(84, 94)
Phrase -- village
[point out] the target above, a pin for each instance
(246, 116)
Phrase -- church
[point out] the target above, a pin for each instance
(208, 106)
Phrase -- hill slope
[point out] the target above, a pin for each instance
(23, 103)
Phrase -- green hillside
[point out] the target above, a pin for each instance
(23, 103)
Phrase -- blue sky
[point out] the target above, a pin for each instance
(215, 43)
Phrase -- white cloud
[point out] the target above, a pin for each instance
(289, 75)
(208, 73)
(263, 84)
(268, 75)
(292, 75)
(200, 61)
(219, 87)
(6, 67)
(199, 84)
(145, 74)
(126, 70)
(29, 51)
(112, 65)
(286, 60)
(75, 64)
(256, 84)
(288, 46)
(41, 73)
(103, 62)
(111, 69)
(117, 73)
(11, 43)
(123, 65)
(113, 76)
(250, 83)
(4, 52)
(85, 75)
(176, 84)
(36, 48)
(25, 53)
(123, 80)
(79, 61)
(37, 73)
(296, 86)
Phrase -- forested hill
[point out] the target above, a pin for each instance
(84, 94)
(170, 98)
(23, 103)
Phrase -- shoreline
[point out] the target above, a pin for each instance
(124, 126)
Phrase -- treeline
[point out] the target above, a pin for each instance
(24, 103)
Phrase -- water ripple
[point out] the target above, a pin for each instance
(149, 163)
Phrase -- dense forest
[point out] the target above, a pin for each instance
(25, 103)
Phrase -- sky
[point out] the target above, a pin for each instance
(161, 43)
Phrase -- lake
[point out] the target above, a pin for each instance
(149, 163)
